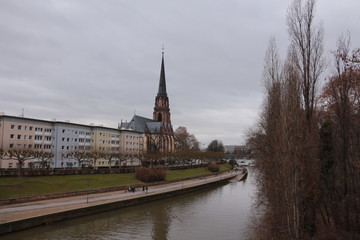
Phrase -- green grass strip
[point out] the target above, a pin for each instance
(15, 187)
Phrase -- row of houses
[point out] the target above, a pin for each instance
(62, 138)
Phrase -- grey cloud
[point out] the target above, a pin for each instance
(99, 61)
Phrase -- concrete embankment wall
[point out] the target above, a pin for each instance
(55, 217)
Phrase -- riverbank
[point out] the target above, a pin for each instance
(22, 188)
(21, 216)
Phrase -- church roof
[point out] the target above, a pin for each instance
(142, 124)
(162, 82)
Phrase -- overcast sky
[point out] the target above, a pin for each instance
(97, 61)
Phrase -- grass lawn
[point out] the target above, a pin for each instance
(14, 187)
(176, 174)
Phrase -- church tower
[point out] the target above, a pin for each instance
(159, 134)
(161, 109)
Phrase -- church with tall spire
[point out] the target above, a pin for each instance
(159, 134)
(161, 109)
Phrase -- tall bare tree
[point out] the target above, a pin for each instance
(277, 142)
(285, 140)
(307, 40)
(341, 100)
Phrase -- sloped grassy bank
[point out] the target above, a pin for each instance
(17, 187)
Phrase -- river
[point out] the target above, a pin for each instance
(220, 212)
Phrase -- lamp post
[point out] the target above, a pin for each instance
(87, 194)
(146, 184)
(182, 177)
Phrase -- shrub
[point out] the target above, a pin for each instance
(150, 174)
(233, 163)
(213, 167)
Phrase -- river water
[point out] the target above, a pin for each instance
(220, 212)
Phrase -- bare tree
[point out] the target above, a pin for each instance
(308, 181)
(280, 142)
(121, 158)
(341, 101)
(110, 157)
(93, 156)
(307, 44)
(21, 155)
(2, 155)
(307, 41)
(44, 157)
(184, 140)
(79, 156)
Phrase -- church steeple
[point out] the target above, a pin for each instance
(162, 82)
(161, 109)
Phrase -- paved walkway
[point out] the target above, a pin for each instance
(14, 212)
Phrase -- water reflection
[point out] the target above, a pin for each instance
(215, 213)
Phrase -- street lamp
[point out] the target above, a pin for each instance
(182, 176)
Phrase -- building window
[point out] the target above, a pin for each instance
(30, 137)
(18, 136)
(30, 128)
(11, 135)
(63, 131)
(12, 127)
(11, 145)
(19, 127)
(38, 137)
(38, 146)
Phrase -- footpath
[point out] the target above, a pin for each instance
(20, 216)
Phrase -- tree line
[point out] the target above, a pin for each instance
(307, 142)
